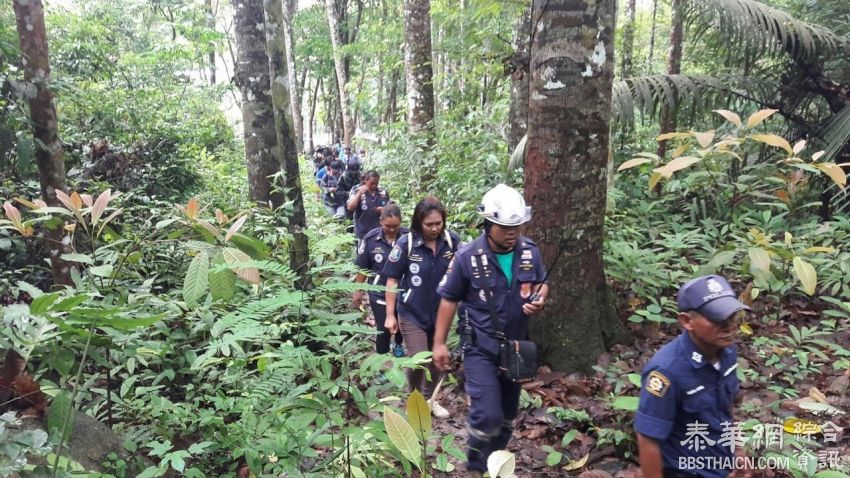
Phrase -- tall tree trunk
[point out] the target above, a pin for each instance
(360, 90)
(674, 67)
(340, 60)
(651, 57)
(419, 77)
(252, 78)
(29, 15)
(295, 87)
(211, 25)
(565, 174)
(312, 118)
(518, 66)
(285, 149)
(390, 113)
(627, 62)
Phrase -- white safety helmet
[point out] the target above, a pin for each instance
(505, 206)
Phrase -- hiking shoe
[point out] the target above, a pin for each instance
(438, 411)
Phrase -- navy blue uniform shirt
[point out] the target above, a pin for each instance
(366, 216)
(465, 280)
(418, 274)
(372, 252)
(680, 387)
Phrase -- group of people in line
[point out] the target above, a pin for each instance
(429, 277)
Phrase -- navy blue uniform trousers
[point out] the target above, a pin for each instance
(495, 403)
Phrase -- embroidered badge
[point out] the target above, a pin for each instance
(414, 268)
(714, 286)
(482, 295)
(657, 384)
(362, 247)
(444, 280)
(696, 357)
(379, 258)
(364, 206)
(416, 281)
(526, 254)
(395, 254)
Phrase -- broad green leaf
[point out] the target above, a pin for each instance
(773, 140)
(756, 118)
(419, 415)
(247, 244)
(625, 403)
(61, 409)
(69, 303)
(721, 259)
(235, 228)
(831, 474)
(196, 281)
(402, 436)
(805, 272)
(835, 172)
(62, 360)
(677, 164)
(730, 116)
(196, 448)
(569, 437)
(236, 260)
(634, 378)
(828, 250)
(222, 284)
(81, 258)
(501, 464)
(633, 162)
(43, 303)
(666, 136)
(759, 259)
(554, 458)
(653, 179)
(705, 138)
(104, 270)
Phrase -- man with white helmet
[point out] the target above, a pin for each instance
(503, 266)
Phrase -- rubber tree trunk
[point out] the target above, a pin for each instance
(565, 175)
(652, 30)
(674, 67)
(208, 8)
(29, 15)
(518, 65)
(419, 75)
(627, 58)
(312, 118)
(341, 73)
(252, 78)
(295, 86)
(285, 150)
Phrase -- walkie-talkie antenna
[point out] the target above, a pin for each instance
(562, 246)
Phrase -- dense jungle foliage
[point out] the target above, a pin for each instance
(185, 334)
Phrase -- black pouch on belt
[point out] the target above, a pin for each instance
(518, 360)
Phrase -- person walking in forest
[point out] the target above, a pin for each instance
(366, 203)
(689, 387)
(334, 197)
(372, 252)
(417, 262)
(504, 267)
(353, 165)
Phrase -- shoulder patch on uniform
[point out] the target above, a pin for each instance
(657, 384)
(362, 248)
(395, 254)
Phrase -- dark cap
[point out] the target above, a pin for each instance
(711, 296)
(337, 164)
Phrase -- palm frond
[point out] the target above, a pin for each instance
(689, 95)
(752, 29)
(836, 134)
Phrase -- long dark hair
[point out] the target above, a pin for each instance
(422, 209)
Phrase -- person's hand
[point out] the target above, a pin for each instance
(357, 299)
(440, 356)
(391, 324)
(332, 190)
(380, 209)
(362, 189)
(531, 308)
